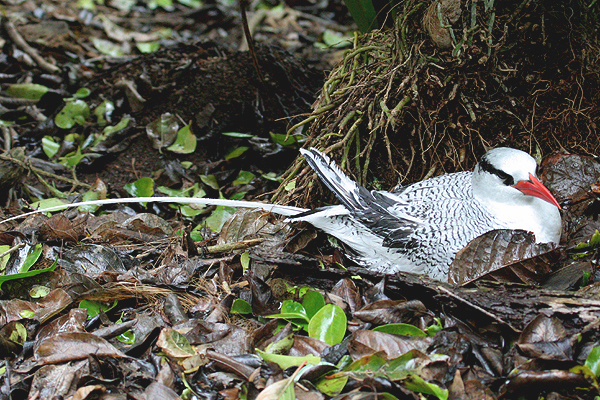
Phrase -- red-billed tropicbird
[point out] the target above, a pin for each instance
(417, 228)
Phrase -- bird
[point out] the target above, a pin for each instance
(419, 228)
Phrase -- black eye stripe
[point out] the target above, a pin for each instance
(485, 165)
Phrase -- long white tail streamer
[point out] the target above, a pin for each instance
(274, 208)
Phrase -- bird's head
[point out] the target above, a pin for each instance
(506, 174)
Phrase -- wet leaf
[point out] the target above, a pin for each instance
(70, 346)
(506, 255)
(328, 325)
(367, 342)
(185, 143)
(74, 112)
(31, 91)
(235, 152)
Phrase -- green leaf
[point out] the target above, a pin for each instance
(219, 216)
(332, 386)
(90, 195)
(243, 178)
(39, 291)
(286, 362)
(82, 93)
(241, 306)
(245, 261)
(291, 185)
(372, 362)
(312, 301)
(4, 260)
(148, 47)
(210, 181)
(271, 176)
(107, 47)
(31, 91)
(419, 385)
(109, 130)
(143, 187)
(363, 13)
(191, 3)
(127, 337)
(28, 274)
(50, 146)
(236, 152)
(104, 112)
(47, 203)
(592, 361)
(434, 328)
(400, 329)
(285, 140)
(185, 143)
(238, 135)
(93, 307)
(328, 325)
(18, 334)
(74, 112)
(336, 40)
(31, 258)
(174, 344)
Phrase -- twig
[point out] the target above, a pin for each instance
(226, 247)
(16, 37)
(38, 171)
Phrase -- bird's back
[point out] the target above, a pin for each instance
(417, 228)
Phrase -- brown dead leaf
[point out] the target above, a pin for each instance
(69, 346)
(503, 255)
(368, 342)
(59, 227)
(570, 176)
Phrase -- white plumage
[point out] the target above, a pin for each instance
(420, 228)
